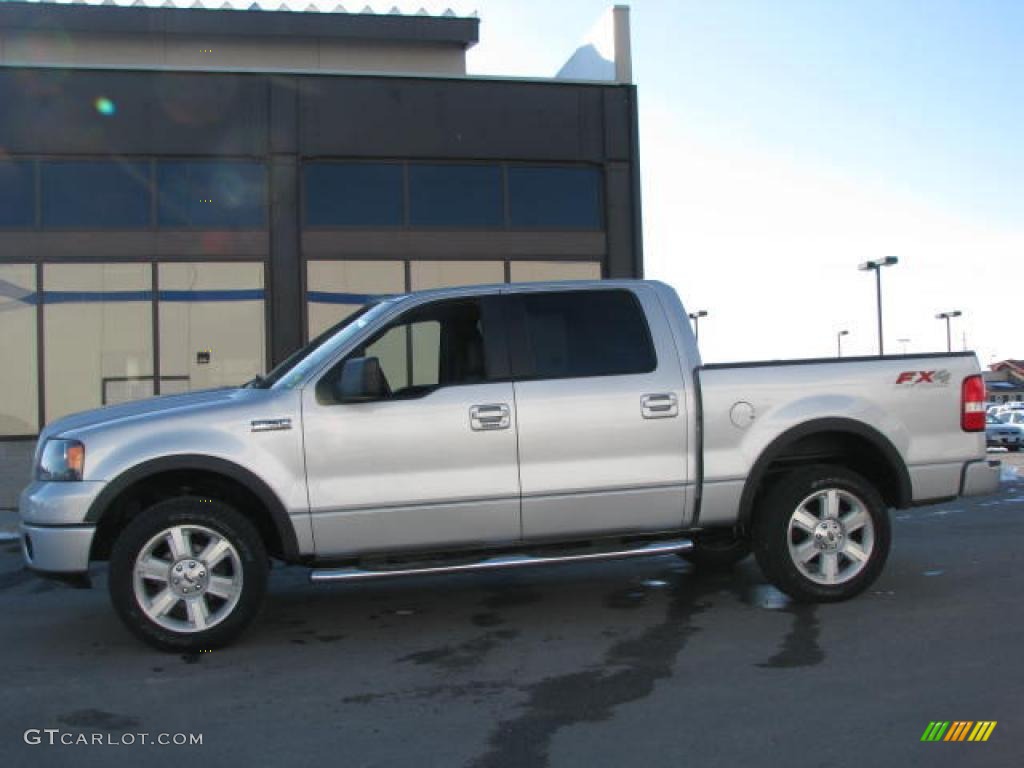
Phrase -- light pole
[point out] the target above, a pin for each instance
(904, 343)
(876, 267)
(696, 316)
(839, 342)
(946, 316)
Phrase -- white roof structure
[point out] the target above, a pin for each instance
(387, 7)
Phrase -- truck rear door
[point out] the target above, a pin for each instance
(600, 412)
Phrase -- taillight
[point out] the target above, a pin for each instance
(972, 404)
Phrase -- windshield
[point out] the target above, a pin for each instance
(296, 368)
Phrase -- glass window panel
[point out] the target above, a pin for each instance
(98, 335)
(425, 338)
(444, 274)
(212, 195)
(212, 328)
(17, 194)
(353, 194)
(536, 271)
(455, 196)
(336, 289)
(440, 344)
(585, 333)
(417, 344)
(95, 194)
(555, 198)
(19, 406)
(392, 351)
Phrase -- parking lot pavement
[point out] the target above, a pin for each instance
(630, 663)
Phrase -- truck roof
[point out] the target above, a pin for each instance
(546, 285)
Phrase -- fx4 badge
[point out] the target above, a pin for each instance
(923, 378)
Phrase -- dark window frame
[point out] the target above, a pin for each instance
(43, 162)
(523, 364)
(505, 166)
(155, 193)
(38, 161)
(601, 204)
(303, 196)
(501, 209)
(33, 192)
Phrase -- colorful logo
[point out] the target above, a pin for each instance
(924, 378)
(959, 730)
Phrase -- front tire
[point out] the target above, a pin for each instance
(822, 534)
(188, 574)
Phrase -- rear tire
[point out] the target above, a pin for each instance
(822, 534)
(188, 574)
(717, 550)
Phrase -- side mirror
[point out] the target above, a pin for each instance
(361, 381)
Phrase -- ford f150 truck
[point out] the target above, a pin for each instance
(500, 427)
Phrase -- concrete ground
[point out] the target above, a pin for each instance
(642, 663)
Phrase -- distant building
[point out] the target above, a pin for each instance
(1005, 381)
(188, 194)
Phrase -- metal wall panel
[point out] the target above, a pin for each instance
(54, 111)
(464, 119)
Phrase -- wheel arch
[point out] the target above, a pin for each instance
(847, 442)
(121, 498)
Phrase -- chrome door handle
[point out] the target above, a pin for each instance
(269, 425)
(663, 405)
(487, 417)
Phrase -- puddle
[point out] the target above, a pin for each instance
(464, 655)
(766, 596)
(800, 646)
(654, 583)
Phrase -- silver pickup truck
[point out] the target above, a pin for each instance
(500, 427)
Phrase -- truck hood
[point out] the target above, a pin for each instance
(163, 405)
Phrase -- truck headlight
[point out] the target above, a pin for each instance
(61, 460)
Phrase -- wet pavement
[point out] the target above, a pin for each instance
(643, 663)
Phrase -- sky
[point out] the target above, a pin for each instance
(784, 142)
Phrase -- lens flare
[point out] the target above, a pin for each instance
(105, 106)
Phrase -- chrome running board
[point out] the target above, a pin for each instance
(502, 561)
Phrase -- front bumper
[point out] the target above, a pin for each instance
(57, 549)
(980, 477)
(54, 535)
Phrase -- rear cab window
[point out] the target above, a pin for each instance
(578, 334)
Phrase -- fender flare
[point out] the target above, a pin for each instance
(778, 446)
(200, 462)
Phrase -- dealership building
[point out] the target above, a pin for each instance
(187, 195)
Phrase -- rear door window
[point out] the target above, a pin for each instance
(577, 334)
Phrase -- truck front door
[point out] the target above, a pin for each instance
(433, 462)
